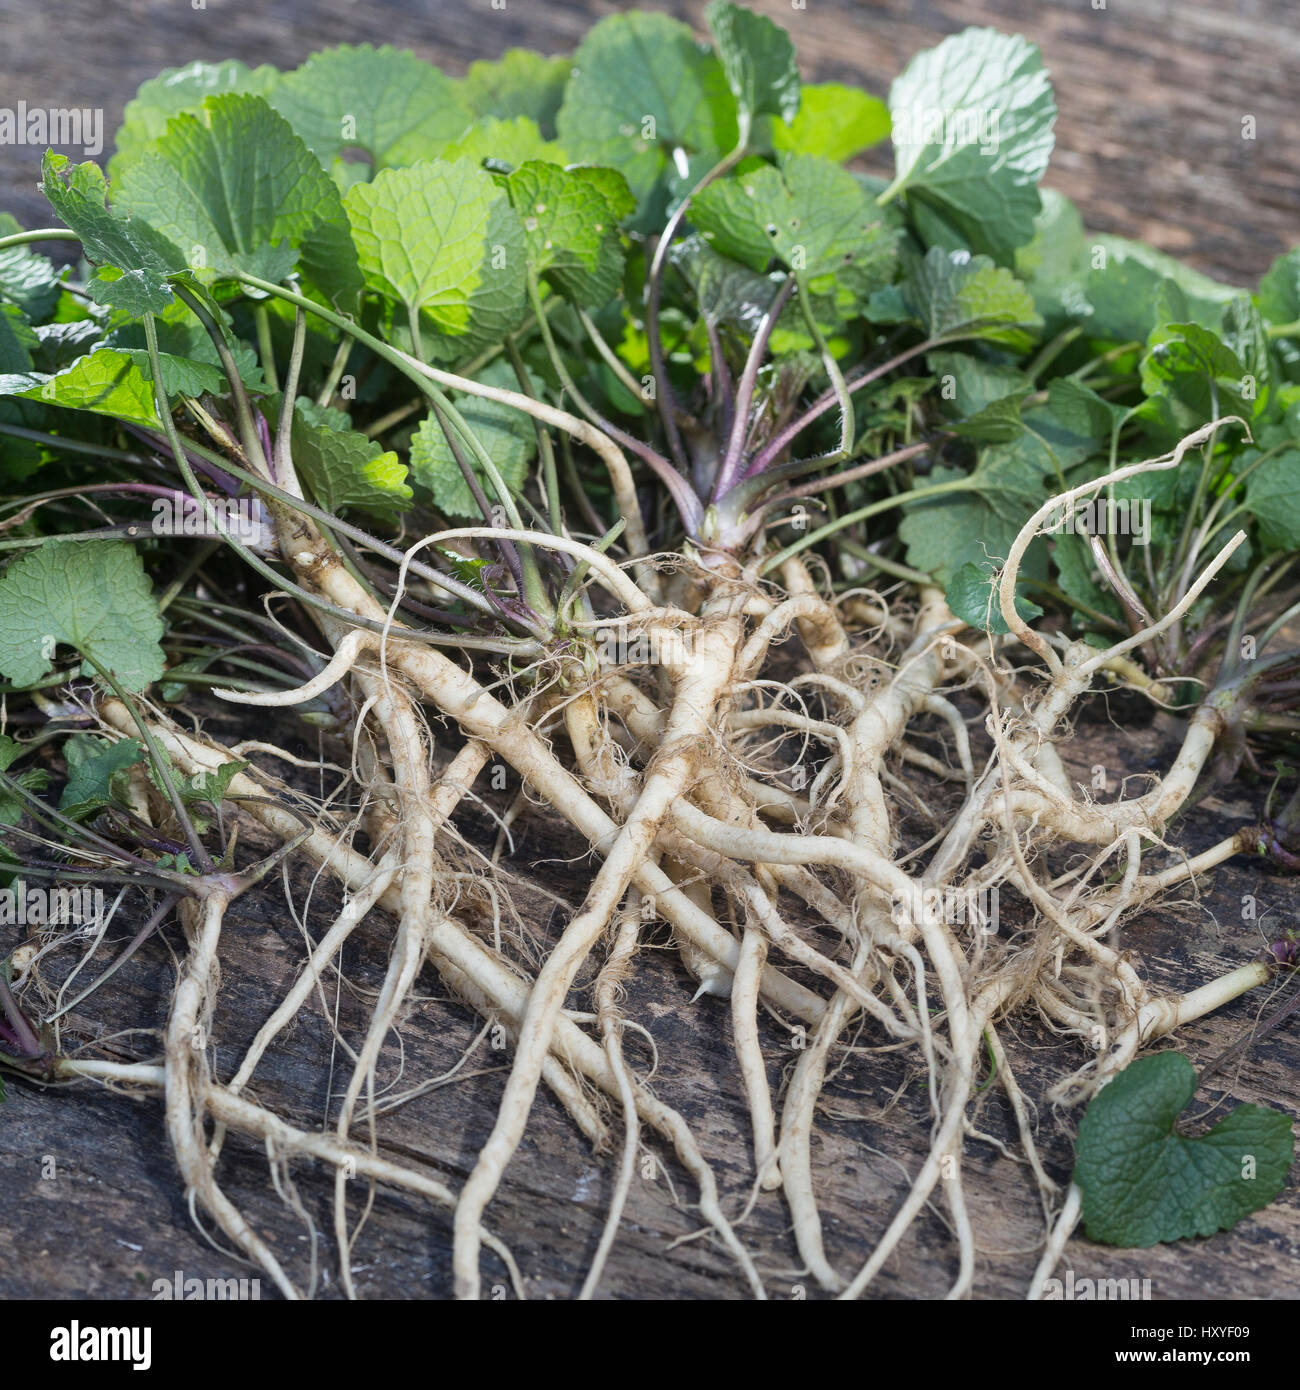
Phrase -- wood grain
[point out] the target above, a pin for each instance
(1149, 143)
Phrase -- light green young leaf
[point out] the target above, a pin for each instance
(507, 435)
(519, 83)
(972, 128)
(93, 766)
(342, 467)
(90, 595)
(641, 89)
(388, 104)
(512, 141)
(954, 296)
(144, 257)
(116, 382)
(235, 187)
(758, 59)
(442, 240)
(1188, 374)
(1144, 1183)
(834, 121)
(181, 89)
(571, 227)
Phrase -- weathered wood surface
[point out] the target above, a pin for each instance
(1149, 143)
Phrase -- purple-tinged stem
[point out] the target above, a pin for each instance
(732, 460)
(785, 437)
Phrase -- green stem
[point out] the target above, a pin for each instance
(265, 348)
(863, 514)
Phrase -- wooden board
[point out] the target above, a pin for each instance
(1149, 143)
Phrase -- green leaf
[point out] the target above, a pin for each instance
(210, 787)
(182, 89)
(972, 128)
(34, 779)
(519, 83)
(833, 121)
(1056, 263)
(1273, 497)
(116, 382)
(143, 256)
(972, 596)
(1188, 374)
(27, 279)
(641, 88)
(811, 215)
(725, 290)
(758, 59)
(235, 187)
(571, 228)
(1077, 573)
(506, 434)
(1279, 290)
(1126, 280)
(342, 467)
(442, 240)
(512, 142)
(388, 104)
(1143, 1182)
(977, 526)
(969, 384)
(954, 296)
(93, 765)
(91, 595)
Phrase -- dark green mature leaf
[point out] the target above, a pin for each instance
(1144, 1183)
(442, 240)
(977, 526)
(1125, 281)
(954, 296)
(833, 121)
(182, 89)
(1279, 290)
(34, 779)
(1273, 497)
(507, 435)
(94, 766)
(570, 224)
(725, 290)
(144, 256)
(972, 129)
(972, 596)
(240, 191)
(519, 83)
(342, 467)
(1189, 375)
(27, 279)
(91, 595)
(811, 215)
(642, 87)
(758, 59)
(1057, 261)
(388, 104)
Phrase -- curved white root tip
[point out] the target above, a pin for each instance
(341, 663)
